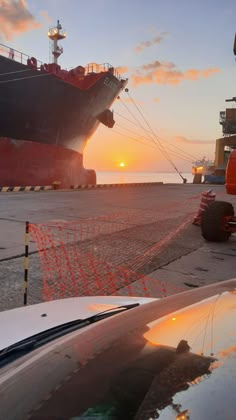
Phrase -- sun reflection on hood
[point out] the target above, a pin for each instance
(206, 326)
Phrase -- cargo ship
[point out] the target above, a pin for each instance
(49, 113)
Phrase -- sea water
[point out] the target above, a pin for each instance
(123, 177)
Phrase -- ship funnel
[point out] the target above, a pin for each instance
(56, 34)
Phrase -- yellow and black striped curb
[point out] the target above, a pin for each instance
(100, 186)
(19, 189)
(78, 187)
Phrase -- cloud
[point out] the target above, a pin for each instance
(146, 44)
(15, 18)
(158, 64)
(228, 351)
(122, 69)
(166, 73)
(181, 139)
(45, 16)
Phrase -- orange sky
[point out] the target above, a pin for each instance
(107, 149)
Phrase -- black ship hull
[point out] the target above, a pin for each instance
(38, 106)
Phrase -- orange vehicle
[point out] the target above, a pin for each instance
(231, 174)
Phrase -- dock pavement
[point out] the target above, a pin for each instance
(157, 218)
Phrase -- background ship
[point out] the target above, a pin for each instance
(48, 114)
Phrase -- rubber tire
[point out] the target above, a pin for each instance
(211, 224)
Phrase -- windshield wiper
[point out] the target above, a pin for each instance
(28, 344)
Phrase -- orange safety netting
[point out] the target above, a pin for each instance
(108, 255)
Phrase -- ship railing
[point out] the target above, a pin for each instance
(206, 162)
(16, 55)
(99, 68)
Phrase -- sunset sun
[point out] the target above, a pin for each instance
(122, 164)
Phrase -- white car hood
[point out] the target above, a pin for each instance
(20, 323)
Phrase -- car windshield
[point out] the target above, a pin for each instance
(36, 340)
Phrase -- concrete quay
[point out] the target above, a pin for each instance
(157, 218)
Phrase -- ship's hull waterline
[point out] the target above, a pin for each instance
(25, 163)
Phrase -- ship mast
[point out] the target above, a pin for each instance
(56, 34)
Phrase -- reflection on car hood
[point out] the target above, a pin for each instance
(199, 383)
(20, 323)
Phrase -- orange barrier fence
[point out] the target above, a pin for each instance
(108, 255)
